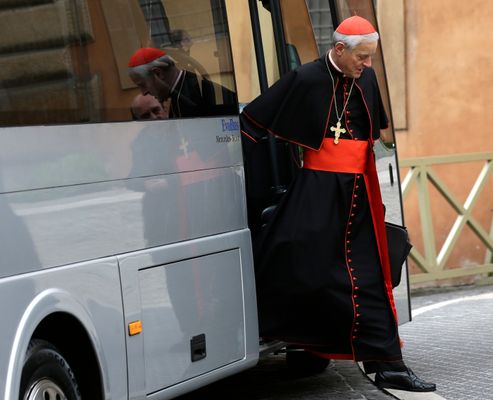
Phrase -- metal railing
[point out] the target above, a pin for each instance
(431, 262)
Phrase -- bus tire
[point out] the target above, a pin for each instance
(304, 362)
(46, 375)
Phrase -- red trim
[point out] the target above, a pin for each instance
(368, 112)
(275, 134)
(349, 267)
(249, 137)
(345, 115)
(253, 121)
(332, 356)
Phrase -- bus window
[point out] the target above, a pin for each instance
(71, 66)
(243, 48)
(301, 46)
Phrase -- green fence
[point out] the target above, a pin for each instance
(432, 261)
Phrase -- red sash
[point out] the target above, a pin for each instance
(356, 156)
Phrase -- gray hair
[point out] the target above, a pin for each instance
(144, 70)
(351, 41)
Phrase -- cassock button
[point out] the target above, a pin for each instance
(351, 261)
(348, 121)
(352, 214)
(356, 288)
(350, 131)
(358, 315)
(355, 195)
(354, 205)
(354, 337)
(356, 323)
(348, 232)
(357, 186)
(355, 296)
(350, 223)
(354, 278)
(349, 251)
(357, 305)
(347, 241)
(348, 112)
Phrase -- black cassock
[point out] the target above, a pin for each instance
(320, 282)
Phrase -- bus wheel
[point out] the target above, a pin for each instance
(46, 375)
(304, 362)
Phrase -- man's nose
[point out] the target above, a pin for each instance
(367, 62)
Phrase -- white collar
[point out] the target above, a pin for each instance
(333, 63)
(176, 81)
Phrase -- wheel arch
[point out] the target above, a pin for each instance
(70, 337)
(55, 316)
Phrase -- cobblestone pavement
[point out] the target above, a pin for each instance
(271, 380)
(449, 342)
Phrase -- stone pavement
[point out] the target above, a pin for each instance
(449, 342)
(272, 380)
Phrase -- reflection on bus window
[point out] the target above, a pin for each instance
(147, 108)
(156, 74)
(73, 66)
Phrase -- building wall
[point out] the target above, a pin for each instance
(447, 85)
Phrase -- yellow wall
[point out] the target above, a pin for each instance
(449, 75)
(447, 84)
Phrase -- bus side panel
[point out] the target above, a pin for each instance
(202, 287)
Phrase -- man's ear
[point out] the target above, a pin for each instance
(339, 48)
(156, 71)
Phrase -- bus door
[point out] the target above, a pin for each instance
(291, 33)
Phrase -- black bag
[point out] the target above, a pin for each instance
(399, 248)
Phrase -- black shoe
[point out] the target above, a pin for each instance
(405, 380)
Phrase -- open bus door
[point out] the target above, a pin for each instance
(286, 34)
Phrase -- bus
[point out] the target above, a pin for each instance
(126, 268)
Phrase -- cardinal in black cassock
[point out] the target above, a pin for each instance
(322, 268)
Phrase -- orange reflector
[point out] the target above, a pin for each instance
(134, 328)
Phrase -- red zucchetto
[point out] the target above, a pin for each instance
(144, 56)
(355, 25)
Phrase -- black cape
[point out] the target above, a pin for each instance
(318, 272)
(197, 97)
(296, 107)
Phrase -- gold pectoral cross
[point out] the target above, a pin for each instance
(337, 131)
